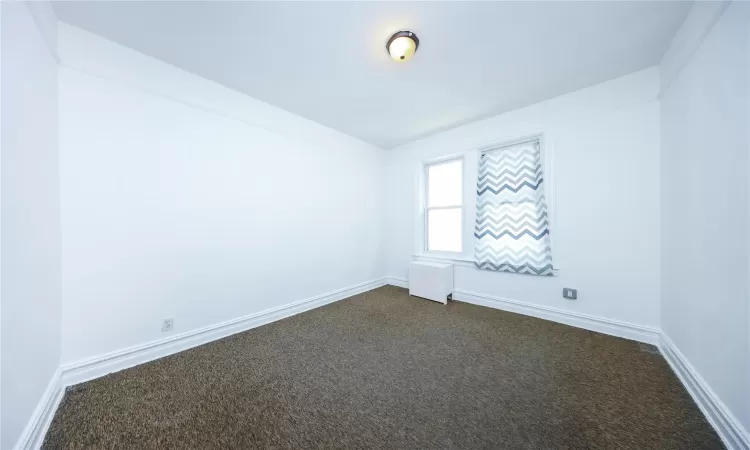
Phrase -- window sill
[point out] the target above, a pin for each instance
(456, 260)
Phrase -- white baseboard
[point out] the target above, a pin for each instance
(98, 366)
(396, 281)
(734, 436)
(617, 328)
(81, 371)
(728, 428)
(730, 431)
(33, 435)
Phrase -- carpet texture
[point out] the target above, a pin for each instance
(385, 370)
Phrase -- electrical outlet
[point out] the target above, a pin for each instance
(167, 324)
(569, 293)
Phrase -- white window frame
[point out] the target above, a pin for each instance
(426, 208)
(471, 158)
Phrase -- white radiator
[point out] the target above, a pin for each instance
(433, 281)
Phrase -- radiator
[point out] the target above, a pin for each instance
(433, 281)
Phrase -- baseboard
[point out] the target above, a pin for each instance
(734, 436)
(396, 281)
(599, 324)
(731, 432)
(78, 372)
(33, 435)
(96, 367)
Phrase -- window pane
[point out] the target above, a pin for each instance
(444, 230)
(444, 183)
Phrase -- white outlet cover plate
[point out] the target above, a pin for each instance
(167, 324)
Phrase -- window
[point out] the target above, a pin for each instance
(443, 206)
(512, 226)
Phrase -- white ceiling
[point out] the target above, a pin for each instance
(326, 61)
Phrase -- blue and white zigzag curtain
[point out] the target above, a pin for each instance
(512, 230)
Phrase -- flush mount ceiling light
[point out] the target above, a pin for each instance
(402, 45)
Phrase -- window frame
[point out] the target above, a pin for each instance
(426, 208)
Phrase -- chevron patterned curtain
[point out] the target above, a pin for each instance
(512, 231)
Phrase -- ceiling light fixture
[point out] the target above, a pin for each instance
(402, 46)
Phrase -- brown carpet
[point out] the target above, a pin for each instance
(385, 370)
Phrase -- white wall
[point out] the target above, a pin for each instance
(30, 295)
(705, 162)
(604, 185)
(180, 199)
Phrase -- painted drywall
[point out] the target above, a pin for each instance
(91, 54)
(183, 204)
(30, 200)
(603, 188)
(701, 17)
(705, 145)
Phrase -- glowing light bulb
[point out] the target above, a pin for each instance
(402, 46)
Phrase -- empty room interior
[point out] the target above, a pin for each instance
(387, 225)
